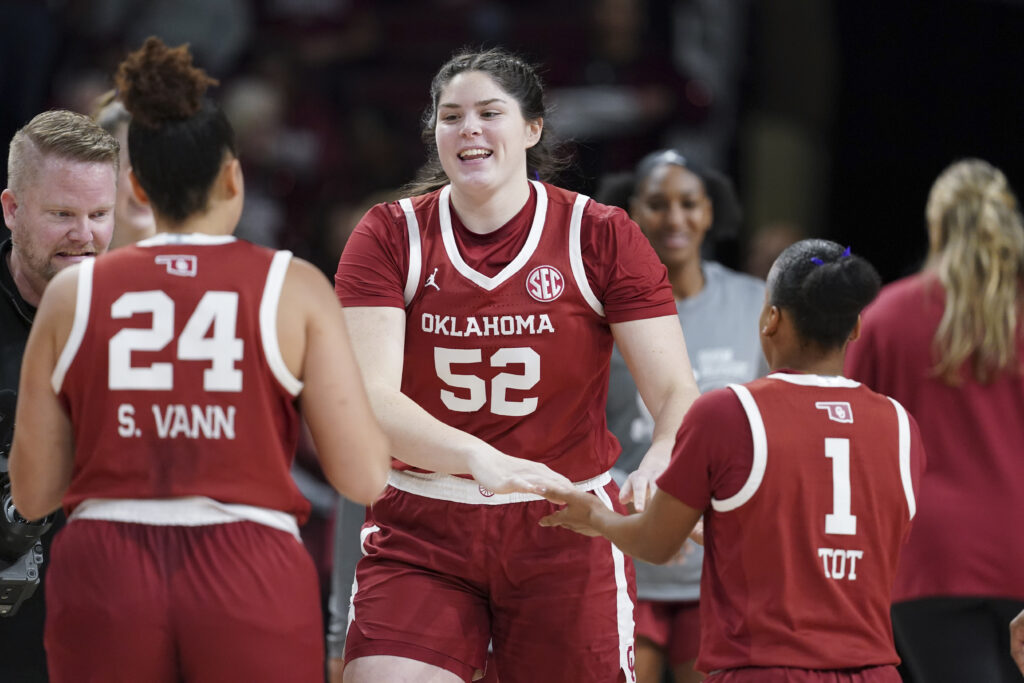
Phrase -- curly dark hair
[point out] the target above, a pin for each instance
(177, 138)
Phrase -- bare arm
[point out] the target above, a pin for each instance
(350, 444)
(1017, 640)
(42, 454)
(655, 535)
(417, 438)
(655, 351)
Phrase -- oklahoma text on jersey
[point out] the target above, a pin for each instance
(486, 326)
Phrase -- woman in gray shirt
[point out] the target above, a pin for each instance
(677, 204)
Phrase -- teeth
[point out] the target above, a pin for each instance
(470, 154)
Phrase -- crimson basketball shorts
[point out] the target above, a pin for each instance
(219, 602)
(674, 626)
(781, 674)
(449, 567)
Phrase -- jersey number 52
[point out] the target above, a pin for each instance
(500, 404)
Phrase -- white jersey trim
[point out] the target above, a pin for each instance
(162, 239)
(760, 463)
(83, 301)
(623, 605)
(576, 254)
(268, 323)
(903, 423)
(815, 380)
(515, 265)
(415, 250)
(184, 511)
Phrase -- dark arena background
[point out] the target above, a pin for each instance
(833, 118)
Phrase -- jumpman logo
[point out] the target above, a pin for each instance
(430, 281)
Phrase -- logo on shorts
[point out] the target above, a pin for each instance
(184, 265)
(486, 493)
(838, 411)
(545, 283)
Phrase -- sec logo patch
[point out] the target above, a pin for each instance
(545, 283)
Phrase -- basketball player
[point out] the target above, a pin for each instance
(159, 403)
(482, 310)
(806, 482)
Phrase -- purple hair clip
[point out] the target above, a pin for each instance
(817, 261)
(845, 253)
(536, 176)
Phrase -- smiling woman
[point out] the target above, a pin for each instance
(482, 309)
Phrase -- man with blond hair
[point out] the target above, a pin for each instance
(59, 206)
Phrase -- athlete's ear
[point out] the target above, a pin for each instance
(533, 131)
(233, 180)
(771, 321)
(137, 190)
(855, 332)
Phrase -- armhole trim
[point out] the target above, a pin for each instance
(579, 273)
(83, 302)
(903, 423)
(415, 250)
(268, 323)
(760, 463)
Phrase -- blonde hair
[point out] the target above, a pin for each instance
(62, 134)
(976, 241)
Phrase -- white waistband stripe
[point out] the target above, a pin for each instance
(188, 511)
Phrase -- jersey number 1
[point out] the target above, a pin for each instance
(840, 521)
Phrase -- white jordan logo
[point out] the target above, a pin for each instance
(430, 281)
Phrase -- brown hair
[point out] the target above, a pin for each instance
(62, 134)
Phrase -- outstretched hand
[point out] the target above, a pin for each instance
(697, 535)
(502, 473)
(640, 487)
(577, 515)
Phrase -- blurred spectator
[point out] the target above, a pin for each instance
(948, 343)
(133, 220)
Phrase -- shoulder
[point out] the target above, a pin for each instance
(896, 298)
(594, 213)
(714, 405)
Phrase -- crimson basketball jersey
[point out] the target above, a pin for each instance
(519, 358)
(806, 509)
(173, 377)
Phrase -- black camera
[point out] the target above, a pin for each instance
(21, 551)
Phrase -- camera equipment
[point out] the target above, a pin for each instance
(21, 552)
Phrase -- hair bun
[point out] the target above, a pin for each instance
(159, 84)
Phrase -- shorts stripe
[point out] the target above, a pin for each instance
(363, 535)
(623, 603)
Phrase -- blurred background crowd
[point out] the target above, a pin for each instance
(832, 117)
